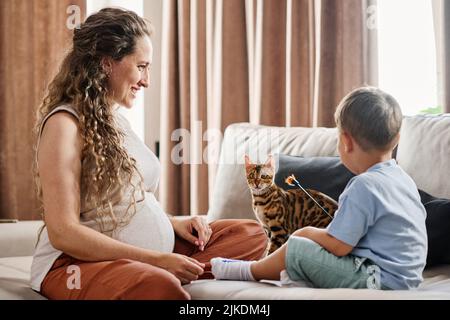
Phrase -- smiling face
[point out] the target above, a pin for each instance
(131, 73)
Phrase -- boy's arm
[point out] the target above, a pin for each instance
(330, 243)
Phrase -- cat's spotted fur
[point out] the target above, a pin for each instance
(281, 212)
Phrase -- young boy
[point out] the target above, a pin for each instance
(377, 238)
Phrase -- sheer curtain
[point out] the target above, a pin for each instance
(441, 12)
(271, 62)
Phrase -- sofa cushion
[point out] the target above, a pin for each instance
(15, 279)
(324, 174)
(231, 197)
(438, 229)
(423, 152)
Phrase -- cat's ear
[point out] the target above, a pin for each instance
(247, 161)
(270, 162)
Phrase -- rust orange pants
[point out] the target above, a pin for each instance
(128, 279)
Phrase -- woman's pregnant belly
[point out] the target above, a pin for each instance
(149, 228)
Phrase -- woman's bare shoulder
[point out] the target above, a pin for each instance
(61, 122)
(61, 132)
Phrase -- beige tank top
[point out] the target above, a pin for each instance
(149, 228)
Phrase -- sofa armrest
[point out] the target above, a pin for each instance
(18, 239)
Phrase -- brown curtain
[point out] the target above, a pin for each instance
(270, 62)
(33, 35)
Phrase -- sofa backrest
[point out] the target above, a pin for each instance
(423, 152)
(231, 197)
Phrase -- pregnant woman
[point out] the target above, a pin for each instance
(105, 235)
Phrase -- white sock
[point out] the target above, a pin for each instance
(230, 269)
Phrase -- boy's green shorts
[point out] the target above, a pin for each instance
(309, 262)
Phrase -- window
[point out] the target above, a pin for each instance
(407, 54)
(136, 114)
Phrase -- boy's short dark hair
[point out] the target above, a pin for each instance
(371, 116)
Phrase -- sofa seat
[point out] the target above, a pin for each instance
(14, 285)
(436, 286)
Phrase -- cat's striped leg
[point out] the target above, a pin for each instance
(278, 236)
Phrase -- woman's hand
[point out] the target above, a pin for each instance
(184, 268)
(196, 230)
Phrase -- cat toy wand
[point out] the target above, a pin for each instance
(292, 181)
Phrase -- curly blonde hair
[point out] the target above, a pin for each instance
(82, 82)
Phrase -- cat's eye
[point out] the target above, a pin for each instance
(264, 176)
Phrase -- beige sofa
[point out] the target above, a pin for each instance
(423, 152)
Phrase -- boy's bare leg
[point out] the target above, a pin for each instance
(270, 267)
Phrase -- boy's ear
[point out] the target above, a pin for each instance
(396, 140)
(247, 161)
(348, 142)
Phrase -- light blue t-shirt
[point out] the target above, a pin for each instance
(380, 214)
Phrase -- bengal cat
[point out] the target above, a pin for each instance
(281, 212)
